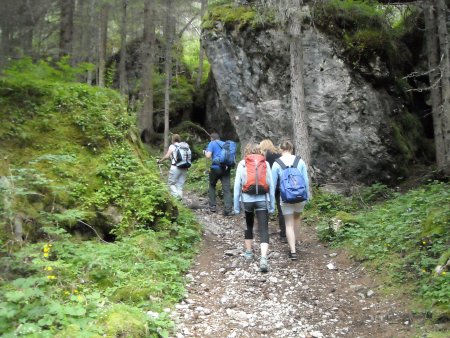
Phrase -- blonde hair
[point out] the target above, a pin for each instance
(176, 138)
(287, 146)
(252, 148)
(267, 145)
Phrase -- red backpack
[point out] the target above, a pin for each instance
(255, 179)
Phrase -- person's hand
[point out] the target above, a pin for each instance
(204, 152)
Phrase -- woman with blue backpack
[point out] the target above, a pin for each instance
(291, 173)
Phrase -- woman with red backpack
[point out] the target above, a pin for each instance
(254, 189)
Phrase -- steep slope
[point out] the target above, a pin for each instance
(91, 243)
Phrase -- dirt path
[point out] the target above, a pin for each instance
(229, 297)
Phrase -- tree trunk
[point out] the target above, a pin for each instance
(444, 109)
(66, 27)
(102, 39)
(80, 31)
(204, 5)
(123, 50)
(437, 51)
(299, 113)
(26, 38)
(145, 119)
(168, 70)
(89, 45)
(5, 26)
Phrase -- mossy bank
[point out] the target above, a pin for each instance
(86, 221)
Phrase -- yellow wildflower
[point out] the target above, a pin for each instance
(66, 293)
(51, 277)
(46, 249)
(49, 268)
(75, 291)
(46, 255)
(444, 273)
(424, 243)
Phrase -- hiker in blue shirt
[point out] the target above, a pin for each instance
(218, 172)
(291, 211)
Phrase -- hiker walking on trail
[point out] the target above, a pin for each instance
(271, 153)
(179, 154)
(219, 171)
(291, 173)
(254, 188)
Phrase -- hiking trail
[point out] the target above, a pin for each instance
(322, 294)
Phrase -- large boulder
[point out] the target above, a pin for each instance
(349, 120)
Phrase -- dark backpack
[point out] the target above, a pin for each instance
(254, 177)
(292, 183)
(227, 156)
(182, 155)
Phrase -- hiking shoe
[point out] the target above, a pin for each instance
(212, 209)
(293, 256)
(283, 239)
(227, 213)
(263, 266)
(248, 255)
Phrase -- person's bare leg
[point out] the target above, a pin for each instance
(290, 232)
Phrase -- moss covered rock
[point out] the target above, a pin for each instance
(69, 154)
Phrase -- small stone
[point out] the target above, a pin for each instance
(331, 266)
(152, 314)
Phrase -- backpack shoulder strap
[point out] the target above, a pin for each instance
(281, 163)
(175, 151)
(297, 159)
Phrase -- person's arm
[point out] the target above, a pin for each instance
(269, 181)
(237, 189)
(209, 150)
(167, 155)
(275, 173)
(304, 172)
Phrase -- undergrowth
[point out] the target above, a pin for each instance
(72, 175)
(405, 237)
(368, 29)
(237, 17)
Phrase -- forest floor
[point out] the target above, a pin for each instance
(322, 294)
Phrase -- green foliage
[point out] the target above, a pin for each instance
(236, 17)
(78, 284)
(367, 29)
(198, 179)
(406, 237)
(71, 170)
(24, 71)
(191, 49)
(408, 136)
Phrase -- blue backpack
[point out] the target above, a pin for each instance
(227, 156)
(292, 184)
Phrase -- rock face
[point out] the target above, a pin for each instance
(349, 119)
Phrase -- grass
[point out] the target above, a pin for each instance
(402, 237)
